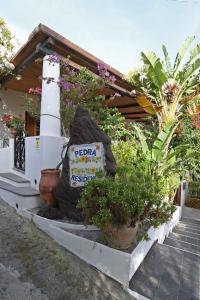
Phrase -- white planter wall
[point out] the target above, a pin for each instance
(119, 265)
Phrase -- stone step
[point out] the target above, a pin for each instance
(21, 191)
(188, 228)
(184, 238)
(14, 179)
(168, 273)
(186, 232)
(190, 221)
(192, 226)
(182, 245)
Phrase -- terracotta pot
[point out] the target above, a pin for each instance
(120, 237)
(49, 180)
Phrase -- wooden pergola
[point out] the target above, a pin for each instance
(44, 40)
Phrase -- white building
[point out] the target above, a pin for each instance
(43, 142)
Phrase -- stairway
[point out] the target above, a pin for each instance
(185, 236)
(17, 192)
(172, 270)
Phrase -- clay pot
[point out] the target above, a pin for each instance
(120, 237)
(49, 180)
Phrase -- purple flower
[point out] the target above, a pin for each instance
(72, 72)
(67, 86)
(54, 59)
(101, 66)
(69, 103)
(103, 72)
(112, 79)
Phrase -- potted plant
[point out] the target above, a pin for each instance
(135, 196)
(14, 123)
(109, 204)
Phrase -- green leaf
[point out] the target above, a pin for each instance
(142, 140)
(194, 53)
(160, 145)
(167, 60)
(192, 69)
(180, 55)
(155, 70)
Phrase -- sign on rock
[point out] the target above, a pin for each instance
(85, 161)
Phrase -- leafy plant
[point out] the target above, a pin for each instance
(6, 46)
(163, 160)
(166, 89)
(125, 200)
(112, 123)
(134, 195)
(11, 121)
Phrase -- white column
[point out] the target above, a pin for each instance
(50, 101)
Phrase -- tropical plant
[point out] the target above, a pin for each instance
(165, 89)
(165, 161)
(189, 134)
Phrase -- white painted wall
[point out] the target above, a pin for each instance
(5, 159)
(184, 193)
(42, 152)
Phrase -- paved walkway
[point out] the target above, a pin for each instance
(171, 271)
(34, 267)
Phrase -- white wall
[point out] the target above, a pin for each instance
(184, 193)
(42, 152)
(5, 159)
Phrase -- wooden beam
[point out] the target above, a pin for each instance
(135, 116)
(137, 120)
(120, 101)
(131, 109)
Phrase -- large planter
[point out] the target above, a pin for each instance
(49, 180)
(120, 237)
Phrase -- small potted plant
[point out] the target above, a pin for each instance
(109, 204)
(13, 123)
(118, 205)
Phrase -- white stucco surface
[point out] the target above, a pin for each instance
(5, 159)
(50, 102)
(42, 152)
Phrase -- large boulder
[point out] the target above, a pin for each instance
(83, 130)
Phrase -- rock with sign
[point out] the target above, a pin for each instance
(85, 135)
(85, 162)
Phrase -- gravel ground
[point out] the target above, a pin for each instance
(34, 267)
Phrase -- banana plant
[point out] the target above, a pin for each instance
(163, 160)
(166, 89)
